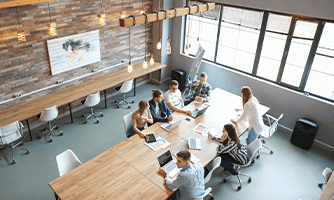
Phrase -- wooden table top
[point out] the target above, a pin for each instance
(64, 96)
(138, 156)
(328, 192)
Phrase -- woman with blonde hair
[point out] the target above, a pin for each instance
(251, 111)
(139, 119)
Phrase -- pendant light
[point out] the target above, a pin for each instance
(122, 13)
(159, 43)
(142, 8)
(51, 26)
(145, 61)
(168, 46)
(101, 17)
(130, 63)
(20, 32)
(152, 60)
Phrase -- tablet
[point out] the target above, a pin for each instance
(150, 138)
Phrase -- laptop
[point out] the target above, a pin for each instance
(194, 143)
(171, 125)
(198, 112)
(166, 160)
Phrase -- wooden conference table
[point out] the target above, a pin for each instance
(129, 170)
(65, 96)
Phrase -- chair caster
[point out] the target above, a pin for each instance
(224, 180)
(115, 101)
(61, 133)
(258, 156)
(101, 115)
(117, 106)
(39, 137)
(13, 162)
(320, 185)
(129, 107)
(50, 140)
(263, 141)
(82, 115)
(97, 121)
(28, 152)
(271, 152)
(239, 188)
(249, 180)
(132, 101)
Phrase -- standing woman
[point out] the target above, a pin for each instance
(251, 111)
(230, 149)
(139, 119)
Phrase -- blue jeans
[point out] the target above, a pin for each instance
(252, 135)
(132, 132)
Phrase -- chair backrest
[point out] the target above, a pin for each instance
(216, 164)
(49, 114)
(92, 100)
(10, 133)
(274, 124)
(66, 161)
(126, 87)
(127, 120)
(253, 148)
(206, 192)
(327, 174)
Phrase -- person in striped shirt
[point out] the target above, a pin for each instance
(230, 149)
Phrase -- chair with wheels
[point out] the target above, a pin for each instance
(9, 138)
(91, 101)
(127, 121)
(126, 87)
(67, 161)
(252, 149)
(215, 164)
(326, 174)
(206, 193)
(47, 115)
(268, 131)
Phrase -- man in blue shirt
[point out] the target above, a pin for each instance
(200, 90)
(159, 110)
(190, 180)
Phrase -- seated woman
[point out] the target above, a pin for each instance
(230, 149)
(139, 119)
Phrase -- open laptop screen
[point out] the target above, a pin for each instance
(165, 158)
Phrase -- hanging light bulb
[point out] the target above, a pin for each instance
(101, 18)
(122, 13)
(145, 63)
(52, 28)
(130, 67)
(21, 36)
(198, 39)
(159, 45)
(142, 10)
(152, 60)
(168, 47)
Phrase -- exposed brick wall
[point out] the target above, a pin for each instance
(25, 67)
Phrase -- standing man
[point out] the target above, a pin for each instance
(190, 180)
(200, 90)
(174, 99)
(159, 110)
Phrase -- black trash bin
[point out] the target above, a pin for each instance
(180, 76)
(304, 133)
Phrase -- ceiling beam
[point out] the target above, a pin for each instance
(16, 3)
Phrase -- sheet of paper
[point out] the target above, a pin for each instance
(162, 142)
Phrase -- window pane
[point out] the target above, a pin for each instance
(270, 59)
(232, 15)
(326, 44)
(278, 23)
(321, 78)
(305, 29)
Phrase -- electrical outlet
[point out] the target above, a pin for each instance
(60, 82)
(17, 95)
(95, 70)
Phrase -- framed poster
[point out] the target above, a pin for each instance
(74, 51)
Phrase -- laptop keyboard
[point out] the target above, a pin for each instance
(192, 143)
(171, 166)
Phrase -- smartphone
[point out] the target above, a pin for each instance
(187, 119)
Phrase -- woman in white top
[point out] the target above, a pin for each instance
(251, 111)
(139, 119)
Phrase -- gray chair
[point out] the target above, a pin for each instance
(252, 149)
(9, 138)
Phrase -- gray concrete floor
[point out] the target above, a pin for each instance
(290, 173)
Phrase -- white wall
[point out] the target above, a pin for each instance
(294, 105)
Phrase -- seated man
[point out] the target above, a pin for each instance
(159, 110)
(200, 90)
(190, 180)
(174, 99)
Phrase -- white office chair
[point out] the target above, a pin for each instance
(9, 135)
(47, 115)
(252, 149)
(207, 192)
(126, 87)
(127, 121)
(216, 164)
(91, 101)
(326, 174)
(67, 161)
(269, 131)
